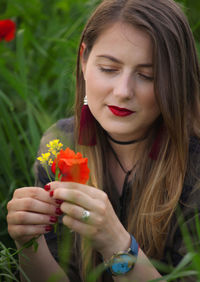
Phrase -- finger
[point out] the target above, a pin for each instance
(29, 218)
(76, 212)
(76, 197)
(32, 205)
(19, 231)
(89, 190)
(79, 227)
(34, 193)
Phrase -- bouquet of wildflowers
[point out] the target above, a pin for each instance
(66, 165)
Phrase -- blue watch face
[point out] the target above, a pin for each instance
(122, 264)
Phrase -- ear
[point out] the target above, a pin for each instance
(83, 62)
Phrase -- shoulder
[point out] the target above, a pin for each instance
(194, 147)
(190, 197)
(193, 166)
(188, 208)
(62, 126)
(63, 130)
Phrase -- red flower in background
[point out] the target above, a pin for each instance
(73, 167)
(7, 30)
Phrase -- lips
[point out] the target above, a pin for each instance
(121, 112)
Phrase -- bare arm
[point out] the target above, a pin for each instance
(143, 271)
(31, 213)
(40, 266)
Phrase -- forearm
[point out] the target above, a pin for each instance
(143, 271)
(40, 265)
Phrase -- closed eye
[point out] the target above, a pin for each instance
(108, 70)
(146, 77)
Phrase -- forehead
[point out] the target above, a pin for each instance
(124, 40)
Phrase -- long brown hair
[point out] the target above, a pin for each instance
(158, 183)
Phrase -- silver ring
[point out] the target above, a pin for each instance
(85, 215)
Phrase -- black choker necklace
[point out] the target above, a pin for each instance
(126, 142)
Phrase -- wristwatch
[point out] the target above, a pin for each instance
(122, 262)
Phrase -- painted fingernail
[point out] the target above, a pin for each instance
(47, 187)
(59, 202)
(51, 193)
(58, 211)
(53, 219)
(48, 228)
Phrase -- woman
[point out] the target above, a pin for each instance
(138, 67)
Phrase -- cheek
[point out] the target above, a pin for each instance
(91, 81)
(93, 86)
(96, 88)
(148, 103)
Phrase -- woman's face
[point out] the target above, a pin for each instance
(119, 82)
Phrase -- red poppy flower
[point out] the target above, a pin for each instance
(72, 167)
(7, 30)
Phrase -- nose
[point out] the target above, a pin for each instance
(124, 87)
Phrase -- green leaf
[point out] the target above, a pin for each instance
(21, 63)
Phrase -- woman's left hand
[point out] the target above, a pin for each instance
(103, 227)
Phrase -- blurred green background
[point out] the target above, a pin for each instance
(37, 78)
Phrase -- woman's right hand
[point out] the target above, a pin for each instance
(31, 212)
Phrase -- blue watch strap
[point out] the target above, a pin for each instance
(116, 268)
(134, 246)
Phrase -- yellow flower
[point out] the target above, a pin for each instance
(44, 158)
(50, 162)
(54, 147)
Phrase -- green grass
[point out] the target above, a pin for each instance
(37, 82)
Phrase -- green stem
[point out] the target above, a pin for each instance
(46, 168)
(55, 226)
(31, 242)
(56, 174)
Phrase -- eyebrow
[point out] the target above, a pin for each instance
(113, 59)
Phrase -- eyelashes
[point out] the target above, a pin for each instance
(108, 70)
(114, 71)
(145, 77)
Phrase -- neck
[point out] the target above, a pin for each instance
(126, 142)
(129, 154)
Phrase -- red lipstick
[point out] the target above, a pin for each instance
(121, 112)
